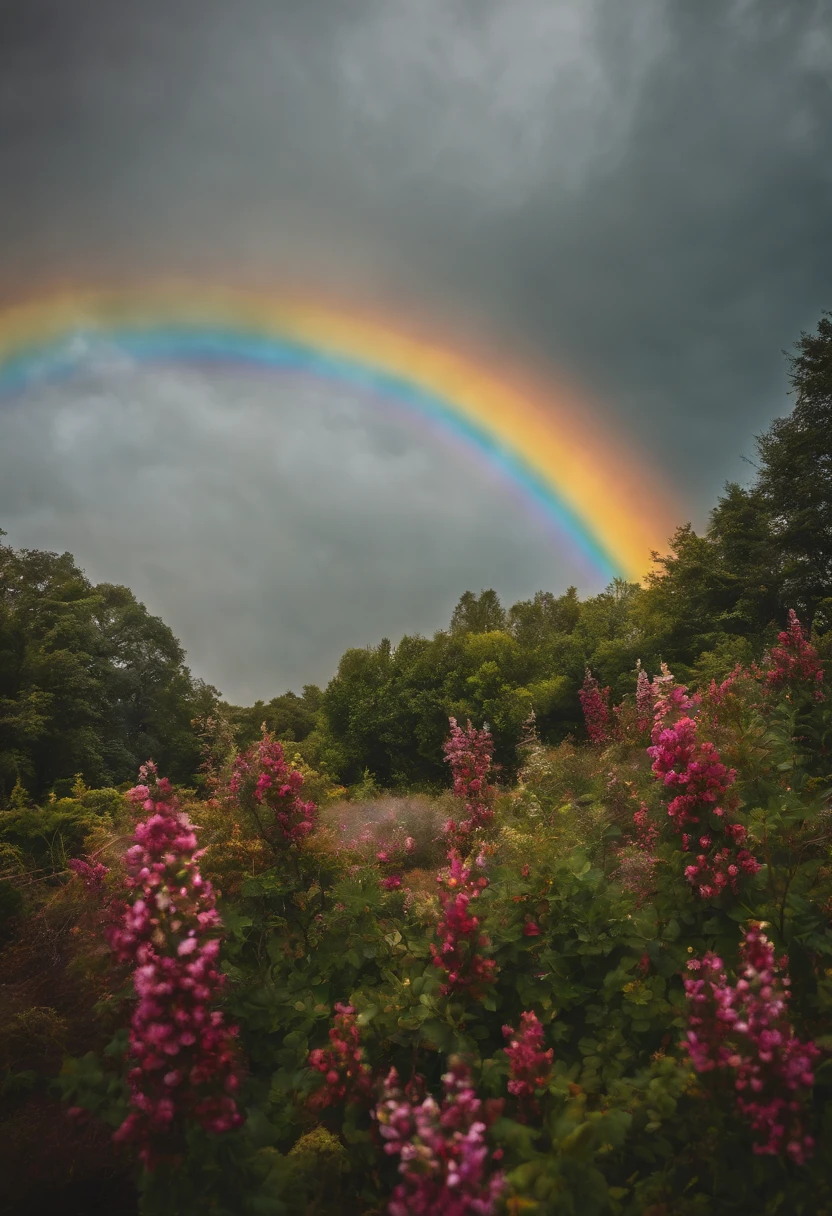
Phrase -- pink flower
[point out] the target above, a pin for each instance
(175, 981)
(530, 1066)
(469, 754)
(693, 768)
(261, 777)
(444, 1157)
(92, 876)
(457, 950)
(346, 1078)
(595, 703)
(530, 929)
(794, 660)
(744, 1028)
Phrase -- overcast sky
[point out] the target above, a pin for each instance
(636, 193)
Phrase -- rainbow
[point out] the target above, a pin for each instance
(545, 439)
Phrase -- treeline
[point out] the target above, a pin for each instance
(91, 683)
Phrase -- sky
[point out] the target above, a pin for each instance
(636, 196)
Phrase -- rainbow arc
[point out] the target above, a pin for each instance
(543, 438)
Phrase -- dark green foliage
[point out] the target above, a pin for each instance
(90, 682)
(289, 717)
(795, 479)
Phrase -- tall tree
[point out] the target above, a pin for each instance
(795, 478)
(478, 613)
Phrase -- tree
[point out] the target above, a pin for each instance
(795, 479)
(90, 682)
(478, 613)
(287, 717)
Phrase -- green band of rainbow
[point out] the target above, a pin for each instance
(560, 466)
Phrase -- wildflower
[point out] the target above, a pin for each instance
(183, 1052)
(391, 883)
(794, 660)
(744, 1028)
(530, 929)
(442, 1148)
(529, 1064)
(262, 778)
(595, 703)
(92, 876)
(693, 767)
(345, 1077)
(469, 754)
(457, 950)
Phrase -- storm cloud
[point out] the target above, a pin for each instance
(638, 195)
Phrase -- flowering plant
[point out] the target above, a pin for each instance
(269, 789)
(468, 751)
(460, 941)
(184, 1062)
(743, 1028)
(444, 1157)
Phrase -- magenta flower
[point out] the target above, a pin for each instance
(262, 778)
(92, 876)
(693, 768)
(469, 754)
(530, 1066)
(595, 702)
(457, 950)
(744, 1029)
(444, 1158)
(346, 1079)
(794, 660)
(184, 1059)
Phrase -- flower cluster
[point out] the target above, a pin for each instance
(469, 754)
(595, 702)
(92, 876)
(744, 1028)
(529, 1064)
(184, 1063)
(345, 1077)
(718, 693)
(794, 660)
(694, 768)
(262, 778)
(444, 1158)
(460, 941)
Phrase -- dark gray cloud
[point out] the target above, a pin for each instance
(639, 194)
(270, 523)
